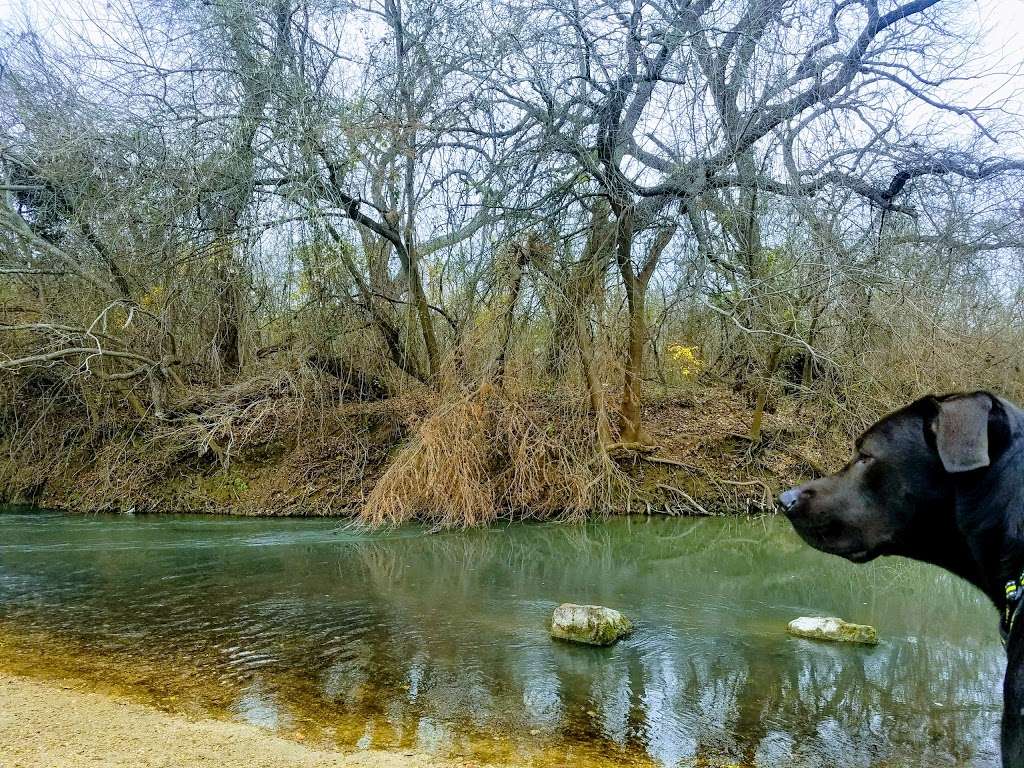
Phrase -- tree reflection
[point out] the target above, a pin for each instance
(441, 641)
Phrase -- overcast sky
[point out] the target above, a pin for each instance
(1001, 48)
(1001, 20)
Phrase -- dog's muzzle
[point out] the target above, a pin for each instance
(788, 499)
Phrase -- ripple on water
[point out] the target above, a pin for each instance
(440, 642)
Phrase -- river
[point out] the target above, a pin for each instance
(438, 642)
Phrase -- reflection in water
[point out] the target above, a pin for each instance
(440, 641)
(258, 706)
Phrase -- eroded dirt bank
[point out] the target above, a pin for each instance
(267, 453)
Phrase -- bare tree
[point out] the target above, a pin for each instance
(667, 107)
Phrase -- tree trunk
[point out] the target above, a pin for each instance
(401, 355)
(227, 335)
(630, 424)
(631, 427)
(426, 322)
(635, 283)
(522, 257)
(585, 344)
(778, 343)
(581, 290)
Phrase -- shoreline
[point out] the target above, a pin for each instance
(46, 724)
(64, 705)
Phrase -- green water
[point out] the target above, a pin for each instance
(439, 642)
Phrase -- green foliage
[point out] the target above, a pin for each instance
(224, 487)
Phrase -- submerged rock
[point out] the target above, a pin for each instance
(831, 628)
(590, 624)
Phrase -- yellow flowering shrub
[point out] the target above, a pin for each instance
(152, 298)
(686, 358)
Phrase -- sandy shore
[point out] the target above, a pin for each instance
(45, 725)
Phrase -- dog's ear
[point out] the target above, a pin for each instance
(961, 431)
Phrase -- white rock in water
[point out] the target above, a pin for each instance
(831, 628)
(590, 624)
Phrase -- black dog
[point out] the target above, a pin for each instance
(942, 481)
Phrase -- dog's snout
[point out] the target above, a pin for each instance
(788, 499)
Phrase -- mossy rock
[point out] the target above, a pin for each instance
(833, 629)
(589, 624)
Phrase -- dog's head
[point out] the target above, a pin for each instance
(901, 478)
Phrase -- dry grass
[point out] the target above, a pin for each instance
(492, 453)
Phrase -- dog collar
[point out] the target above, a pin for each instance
(1014, 590)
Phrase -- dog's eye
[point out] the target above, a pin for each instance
(864, 459)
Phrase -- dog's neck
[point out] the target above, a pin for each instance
(989, 517)
(943, 543)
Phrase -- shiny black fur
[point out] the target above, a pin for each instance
(898, 496)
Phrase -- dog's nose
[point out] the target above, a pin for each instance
(789, 498)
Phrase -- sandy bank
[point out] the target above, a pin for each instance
(45, 725)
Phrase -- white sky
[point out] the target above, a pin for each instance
(1003, 19)
(1002, 22)
(1000, 50)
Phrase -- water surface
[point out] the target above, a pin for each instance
(439, 642)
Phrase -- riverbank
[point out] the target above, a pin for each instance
(270, 451)
(44, 724)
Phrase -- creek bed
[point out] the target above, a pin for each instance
(439, 642)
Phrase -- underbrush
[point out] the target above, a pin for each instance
(290, 443)
(284, 443)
